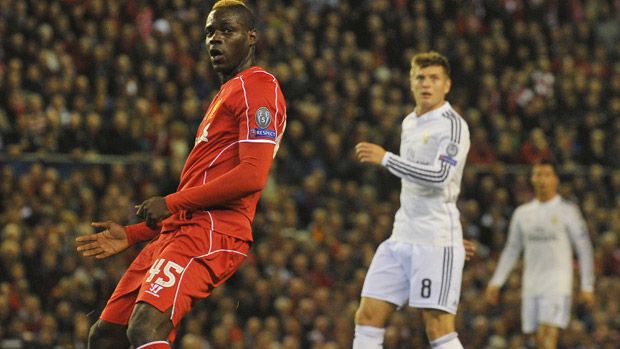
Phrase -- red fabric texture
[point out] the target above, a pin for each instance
(139, 232)
(174, 270)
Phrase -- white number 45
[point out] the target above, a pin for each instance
(168, 268)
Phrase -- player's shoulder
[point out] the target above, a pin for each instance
(453, 122)
(258, 75)
(569, 206)
(450, 111)
(450, 116)
(251, 82)
(525, 208)
(409, 119)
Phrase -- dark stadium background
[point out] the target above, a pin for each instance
(99, 102)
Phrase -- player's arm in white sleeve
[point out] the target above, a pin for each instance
(511, 252)
(583, 246)
(449, 154)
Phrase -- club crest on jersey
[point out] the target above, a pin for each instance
(425, 137)
(263, 117)
(262, 133)
(204, 137)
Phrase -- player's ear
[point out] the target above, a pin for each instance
(252, 37)
(448, 86)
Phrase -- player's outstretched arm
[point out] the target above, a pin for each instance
(112, 240)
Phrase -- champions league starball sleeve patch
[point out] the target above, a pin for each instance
(451, 150)
(263, 117)
(263, 120)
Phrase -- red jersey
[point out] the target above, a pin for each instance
(225, 172)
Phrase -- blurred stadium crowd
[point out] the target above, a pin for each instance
(534, 79)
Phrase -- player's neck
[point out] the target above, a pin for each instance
(545, 197)
(245, 64)
(422, 109)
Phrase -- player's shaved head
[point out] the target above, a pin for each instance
(246, 14)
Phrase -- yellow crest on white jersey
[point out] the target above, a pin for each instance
(425, 136)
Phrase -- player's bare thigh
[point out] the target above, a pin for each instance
(148, 323)
(107, 335)
(373, 312)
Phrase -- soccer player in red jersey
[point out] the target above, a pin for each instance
(201, 233)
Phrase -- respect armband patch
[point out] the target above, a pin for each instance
(447, 159)
(262, 133)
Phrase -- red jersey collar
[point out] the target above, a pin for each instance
(251, 69)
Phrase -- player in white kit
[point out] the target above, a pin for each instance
(421, 264)
(544, 229)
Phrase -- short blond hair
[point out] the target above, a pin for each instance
(239, 5)
(229, 3)
(427, 59)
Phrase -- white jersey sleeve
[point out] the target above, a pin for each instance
(510, 254)
(581, 241)
(451, 151)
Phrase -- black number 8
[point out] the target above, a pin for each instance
(426, 288)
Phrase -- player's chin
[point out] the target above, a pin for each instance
(224, 65)
(218, 64)
(218, 67)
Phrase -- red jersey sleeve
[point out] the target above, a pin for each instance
(261, 109)
(139, 232)
(246, 178)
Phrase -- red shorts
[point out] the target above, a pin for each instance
(174, 270)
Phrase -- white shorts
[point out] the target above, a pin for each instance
(549, 310)
(426, 276)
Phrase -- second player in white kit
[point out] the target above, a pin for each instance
(426, 239)
(421, 264)
(546, 229)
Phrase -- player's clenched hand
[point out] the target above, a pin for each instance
(491, 294)
(112, 240)
(470, 249)
(369, 152)
(153, 211)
